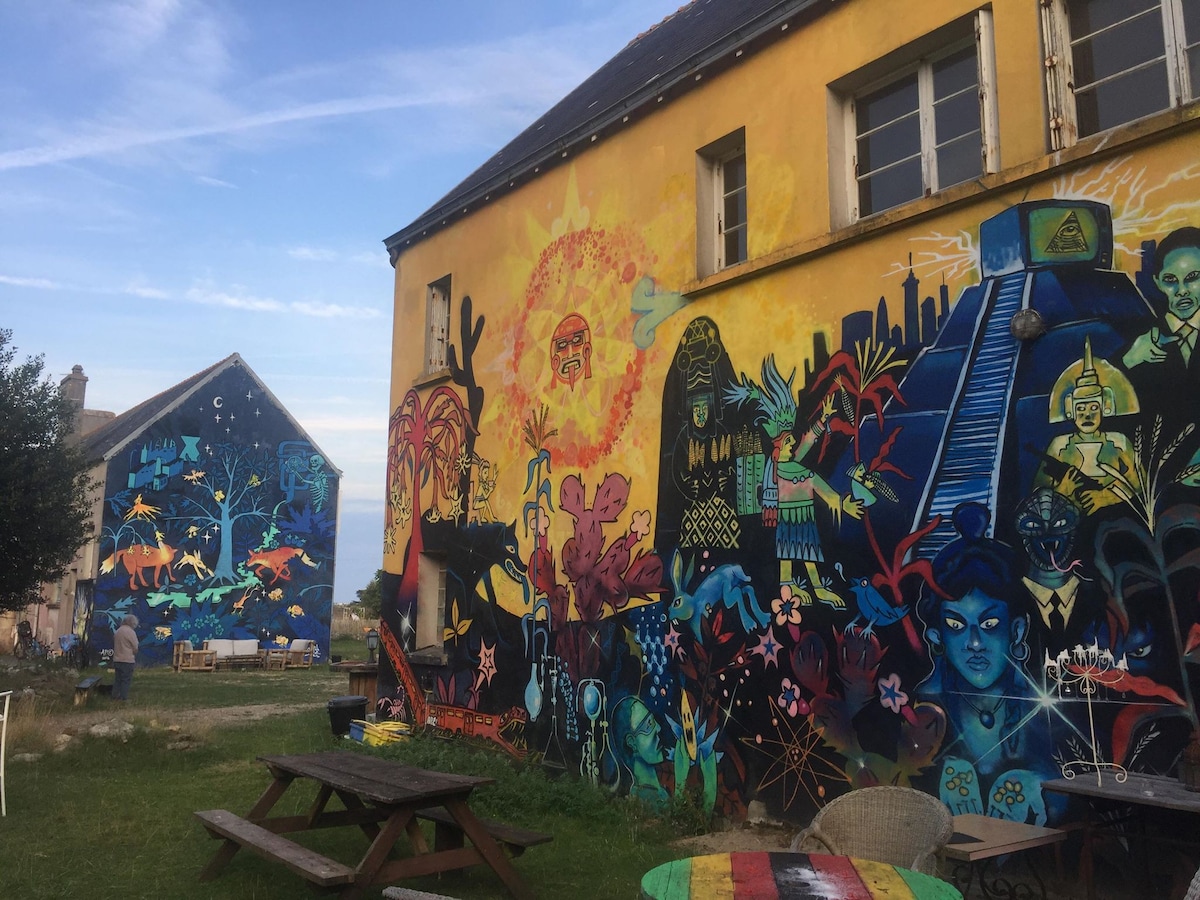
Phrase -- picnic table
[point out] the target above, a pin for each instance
(386, 800)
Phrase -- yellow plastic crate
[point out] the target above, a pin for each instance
(376, 733)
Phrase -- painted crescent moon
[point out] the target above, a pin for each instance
(217, 401)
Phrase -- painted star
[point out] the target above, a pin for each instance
(671, 640)
(487, 662)
(767, 648)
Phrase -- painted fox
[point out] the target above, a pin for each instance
(139, 557)
(276, 561)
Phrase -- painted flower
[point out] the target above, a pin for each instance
(641, 524)
(890, 694)
(790, 701)
(786, 607)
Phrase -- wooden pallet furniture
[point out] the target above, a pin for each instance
(299, 654)
(242, 653)
(187, 659)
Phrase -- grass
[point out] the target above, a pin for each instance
(102, 818)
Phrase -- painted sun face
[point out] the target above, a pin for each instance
(1180, 281)
(977, 632)
(571, 350)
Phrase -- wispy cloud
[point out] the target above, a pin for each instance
(214, 182)
(146, 293)
(329, 255)
(207, 295)
(39, 283)
(180, 69)
(312, 254)
(213, 297)
(114, 140)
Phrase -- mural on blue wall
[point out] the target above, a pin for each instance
(938, 555)
(219, 522)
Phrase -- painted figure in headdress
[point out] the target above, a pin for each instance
(1093, 467)
(790, 486)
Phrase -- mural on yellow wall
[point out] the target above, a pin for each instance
(894, 554)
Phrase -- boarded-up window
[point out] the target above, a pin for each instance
(431, 601)
(437, 337)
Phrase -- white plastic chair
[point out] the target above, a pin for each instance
(6, 695)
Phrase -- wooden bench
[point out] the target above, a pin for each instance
(448, 835)
(84, 689)
(320, 870)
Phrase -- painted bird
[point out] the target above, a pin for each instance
(872, 606)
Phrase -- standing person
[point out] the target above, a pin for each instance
(125, 647)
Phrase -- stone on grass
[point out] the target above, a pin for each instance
(114, 728)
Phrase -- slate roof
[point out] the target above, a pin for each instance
(106, 441)
(702, 36)
(110, 437)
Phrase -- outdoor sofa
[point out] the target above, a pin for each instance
(237, 653)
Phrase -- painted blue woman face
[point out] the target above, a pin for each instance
(976, 632)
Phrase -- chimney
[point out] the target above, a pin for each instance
(74, 386)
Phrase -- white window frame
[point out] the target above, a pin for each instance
(1060, 77)
(437, 325)
(920, 57)
(710, 202)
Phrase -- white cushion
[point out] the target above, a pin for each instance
(246, 647)
(300, 644)
(223, 646)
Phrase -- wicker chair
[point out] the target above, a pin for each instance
(1193, 891)
(896, 825)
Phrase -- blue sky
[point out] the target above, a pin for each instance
(183, 180)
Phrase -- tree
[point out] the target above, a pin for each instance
(45, 516)
(370, 598)
(233, 490)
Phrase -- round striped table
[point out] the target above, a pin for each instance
(789, 876)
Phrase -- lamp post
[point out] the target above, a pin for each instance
(372, 644)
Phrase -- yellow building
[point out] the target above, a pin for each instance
(805, 402)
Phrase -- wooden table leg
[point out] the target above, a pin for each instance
(270, 796)
(1085, 855)
(396, 825)
(351, 801)
(487, 847)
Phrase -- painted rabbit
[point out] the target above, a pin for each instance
(726, 585)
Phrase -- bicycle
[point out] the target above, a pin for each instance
(71, 650)
(28, 646)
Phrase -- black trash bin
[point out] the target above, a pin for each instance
(343, 709)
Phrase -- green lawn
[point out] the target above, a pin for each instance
(105, 819)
